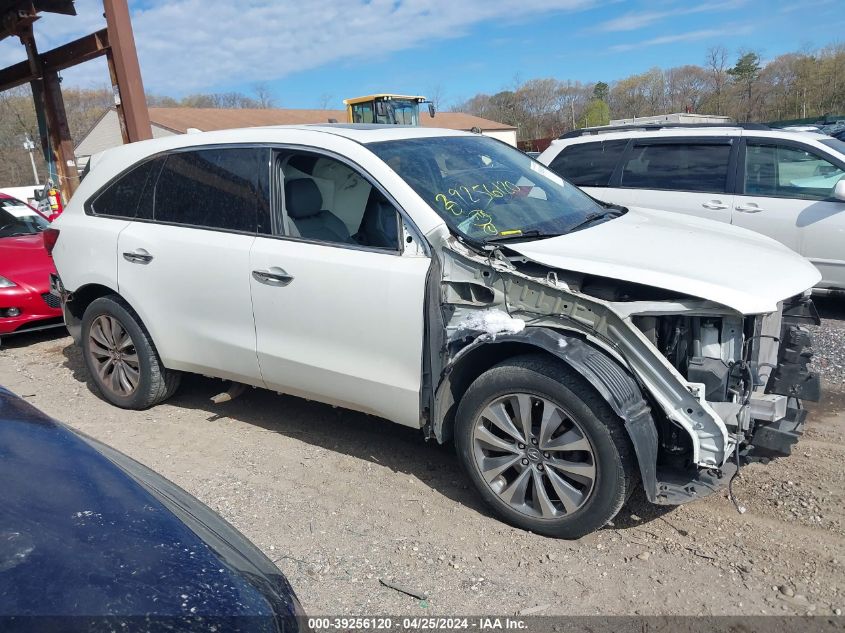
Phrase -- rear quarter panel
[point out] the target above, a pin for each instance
(86, 251)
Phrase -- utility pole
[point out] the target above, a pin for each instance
(29, 146)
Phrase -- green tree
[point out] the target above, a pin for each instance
(597, 112)
(746, 73)
(600, 91)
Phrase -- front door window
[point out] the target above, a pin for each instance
(779, 171)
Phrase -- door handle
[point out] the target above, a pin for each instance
(748, 208)
(714, 204)
(274, 276)
(138, 256)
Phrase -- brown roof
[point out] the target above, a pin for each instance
(207, 119)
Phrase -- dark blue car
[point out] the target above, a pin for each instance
(92, 540)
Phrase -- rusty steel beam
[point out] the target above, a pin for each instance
(59, 131)
(128, 87)
(76, 52)
(17, 20)
(52, 118)
(33, 64)
(15, 75)
(121, 117)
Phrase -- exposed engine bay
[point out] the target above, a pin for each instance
(750, 371)
(701, 387)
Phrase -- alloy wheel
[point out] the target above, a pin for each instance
(114, 356)
(534, 455)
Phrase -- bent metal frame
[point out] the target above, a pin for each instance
(41, 71)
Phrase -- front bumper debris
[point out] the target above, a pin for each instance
(792, 377)
(675, 487)
(776, 439)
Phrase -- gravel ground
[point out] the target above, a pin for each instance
(829, 341)
(340, 500)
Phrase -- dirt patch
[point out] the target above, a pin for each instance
(340, 500)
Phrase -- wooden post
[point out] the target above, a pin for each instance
(126, 73)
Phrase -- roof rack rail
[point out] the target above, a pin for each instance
(659, 126)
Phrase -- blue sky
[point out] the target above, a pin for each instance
(312, 52)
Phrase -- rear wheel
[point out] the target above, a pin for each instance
(545, 451)
(121, 357)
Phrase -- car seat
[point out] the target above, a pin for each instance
(304, 205)
(379, 226)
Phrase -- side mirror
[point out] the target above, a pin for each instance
(381, 110)
(431, 109)
(839, 190)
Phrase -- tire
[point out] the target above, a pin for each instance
(588, 469)
(128, 373)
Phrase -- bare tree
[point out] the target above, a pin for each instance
(437, 95)
(686, 87)
(263, 95)
(717, 64)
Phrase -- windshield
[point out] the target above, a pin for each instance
(16, 218)
(485, 189)
(400, 112)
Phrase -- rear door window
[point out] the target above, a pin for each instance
(120, 198)
(589, 164)
(678, 167)
(226, 189)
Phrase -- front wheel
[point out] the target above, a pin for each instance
(121, 357)
(545, 451)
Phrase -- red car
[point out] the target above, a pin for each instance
(25, 300)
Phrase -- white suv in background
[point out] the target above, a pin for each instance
(787, 185)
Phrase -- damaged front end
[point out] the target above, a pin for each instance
(698, 385)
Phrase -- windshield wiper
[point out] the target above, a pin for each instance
(521, 235)
(592, 217)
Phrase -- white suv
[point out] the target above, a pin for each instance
(787, 185)
(445, 281)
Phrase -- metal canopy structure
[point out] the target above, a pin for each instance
(41, 71)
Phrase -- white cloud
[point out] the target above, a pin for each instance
(637, 20)
(689, 36)
(197, 45)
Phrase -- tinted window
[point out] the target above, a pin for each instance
(327, 200)
(589, 164)
(147, 198)
(678, 167)
(121, 197)
(215, 188)
(787, 172)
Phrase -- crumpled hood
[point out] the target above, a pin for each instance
(737, 268)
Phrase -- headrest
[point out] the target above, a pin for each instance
(302, 198)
